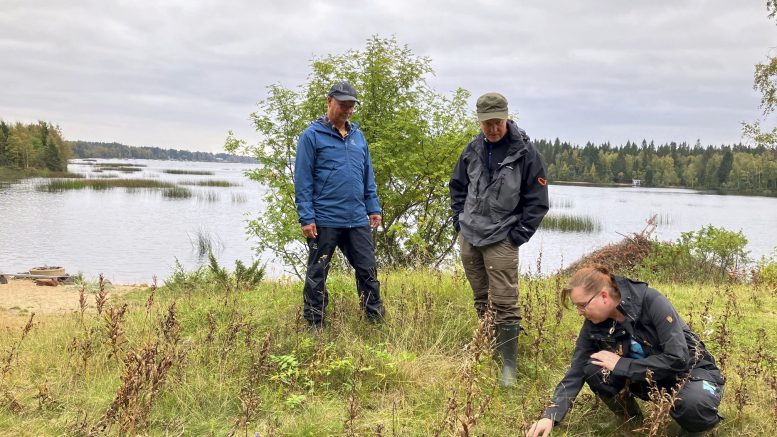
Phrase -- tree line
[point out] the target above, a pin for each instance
(33, 146)
(736, 169)
(90, 149)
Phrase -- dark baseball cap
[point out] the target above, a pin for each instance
(490, 106)
(343, 92)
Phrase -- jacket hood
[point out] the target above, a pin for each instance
(321, 124)
(632, 297)
(518, 140)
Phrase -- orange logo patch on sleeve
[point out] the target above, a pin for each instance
(542, 181)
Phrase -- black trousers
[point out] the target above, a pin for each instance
(696, 407)
(359, 249)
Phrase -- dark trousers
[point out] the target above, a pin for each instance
(696, 406)
(359, 249)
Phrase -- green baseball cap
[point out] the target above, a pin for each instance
(490, 106)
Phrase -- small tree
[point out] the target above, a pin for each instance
(765, 82)
(415, 137)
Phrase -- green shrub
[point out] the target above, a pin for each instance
(765, 271)
(709, 254)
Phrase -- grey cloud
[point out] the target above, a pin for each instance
(182, 73)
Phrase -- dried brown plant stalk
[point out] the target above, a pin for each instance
(151, 295)
(256, 375)
(144, 375)
(114, 319)
(460, 419)
(82, 301)
(101, 298)
(13, 351)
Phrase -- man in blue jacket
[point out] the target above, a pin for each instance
(337, 203)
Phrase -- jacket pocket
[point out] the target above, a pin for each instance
(505, 194)
(322, 191)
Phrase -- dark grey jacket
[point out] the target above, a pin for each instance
(650, 319)
(512, 204)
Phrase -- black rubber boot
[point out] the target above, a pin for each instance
(623, 405)
(507, 345)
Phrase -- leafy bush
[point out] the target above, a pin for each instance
(415, 136)
(765, 271)
(709, 254)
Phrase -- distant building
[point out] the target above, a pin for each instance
(636, 182)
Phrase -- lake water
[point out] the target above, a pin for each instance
(132, 236)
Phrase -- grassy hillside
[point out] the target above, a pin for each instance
(196, 357)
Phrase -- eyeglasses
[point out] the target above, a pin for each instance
(583, 307)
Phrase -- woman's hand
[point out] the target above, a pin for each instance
(605, 359)
(541, 428)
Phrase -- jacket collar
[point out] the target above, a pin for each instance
(632, 298)
(517, 142)
(322, 124)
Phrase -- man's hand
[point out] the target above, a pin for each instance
(605, 359)
(310, 230)
(541, 428)
(374, 221)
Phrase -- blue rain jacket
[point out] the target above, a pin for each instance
(334, 185)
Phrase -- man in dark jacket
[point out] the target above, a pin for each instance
(337, 203)
(499, 196)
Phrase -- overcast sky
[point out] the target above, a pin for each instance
(182, 73)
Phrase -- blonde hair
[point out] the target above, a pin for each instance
(592, 279)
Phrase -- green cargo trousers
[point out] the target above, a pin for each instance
(493, 269)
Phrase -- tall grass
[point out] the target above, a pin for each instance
(12, 175)
(177, 193)
(190, 172)
(209, 196)
(209, 183)
(205, 243)
(556, 203)
(119, 164)
(570, 223)
(215, 352)
(58, 185)
(239, 198)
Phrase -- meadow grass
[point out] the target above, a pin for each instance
(230, 359)
(569, 223)
(57, 185)
(190, 172)
(209, 183)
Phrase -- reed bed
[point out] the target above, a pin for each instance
(239, 198)
(119, 164)
(177, 192)
(209, 183)
(561, 203)
(58, 185)
(570, 223)
(209, 196)
(188, 172)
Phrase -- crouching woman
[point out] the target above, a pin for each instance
(633, 338)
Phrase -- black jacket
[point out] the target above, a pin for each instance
(670, 348)
(511, 203)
